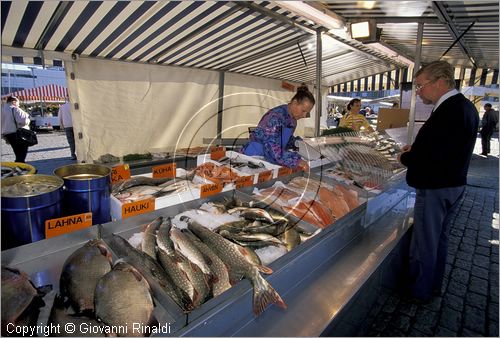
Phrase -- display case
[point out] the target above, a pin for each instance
(324, 274)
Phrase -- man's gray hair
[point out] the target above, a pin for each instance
(439, 70)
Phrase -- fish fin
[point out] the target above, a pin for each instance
(264, 294)
(264, 269)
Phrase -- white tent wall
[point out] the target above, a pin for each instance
(129, 108)
(247, 98)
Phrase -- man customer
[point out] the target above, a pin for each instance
(489, 124)
(437, 162)
(67, 123)
(14, 117)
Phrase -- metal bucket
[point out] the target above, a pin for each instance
(27, 202)
(87, 188)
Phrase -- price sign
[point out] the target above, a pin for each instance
(265, 176)
(217, 153)
(210, 189)
(138, 207)
(165, 170)
(60, 226)
(243, 181)
(284, 171)
(120, 173)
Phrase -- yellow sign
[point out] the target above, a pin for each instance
(164, 170)
(120, 173)
(137, 208)
(60, 226)
(265, 176)
(210, 189)
(217, 153)
(243, 181)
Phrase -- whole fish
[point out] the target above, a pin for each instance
(170, 263)
(140, 260)
(142, 180)
(149, 242)
(123, 298)
(59, 316)
(252, 213)
(20, 298)
(235, 226)
(163, 240)
(252, 237)
(264, 294)
(217, 266)
(291, 238)
(135, 181)
(80, 273)
(189, 250)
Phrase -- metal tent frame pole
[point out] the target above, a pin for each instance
(418, 51)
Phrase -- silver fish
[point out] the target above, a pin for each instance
(217, 266)
(252, 213)
(291, 238)
(142, 261)
(189, 250)
(122, 298)
(264, 294)
(149, 242)
(80, 273)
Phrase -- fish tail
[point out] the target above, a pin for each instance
(264, 294)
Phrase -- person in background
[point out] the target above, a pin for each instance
(273, 137)
(67, 123)
(353, 119)
(489, 124)
(14, 117)
(437, 162)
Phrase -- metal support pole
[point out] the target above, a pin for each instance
(418, 51)
(220, 105)
(318, 82)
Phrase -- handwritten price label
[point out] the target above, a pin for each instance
(64, 225)
(284, 171)
(217, 153)
(120, 173)
(265, 176)
(243, 181)
(164, 170)
(210, 189)
(138, 207)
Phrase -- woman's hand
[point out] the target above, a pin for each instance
(303, 165)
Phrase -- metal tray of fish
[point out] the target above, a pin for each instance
(43, 262)
(130, 227)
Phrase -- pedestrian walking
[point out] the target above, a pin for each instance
(489, 124)
(66, 122)
(14, 117)
(437, 164)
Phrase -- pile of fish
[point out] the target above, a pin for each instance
(249, 167)
(140, 187)
(215, 172)
(202, 262)
(315, 202)
(13, 171)
(99, 294)
(21, 301)
(28, 188)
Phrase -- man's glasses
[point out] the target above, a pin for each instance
(418, 87)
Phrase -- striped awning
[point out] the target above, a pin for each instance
(49, 92)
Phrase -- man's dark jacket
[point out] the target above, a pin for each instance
(441, 153)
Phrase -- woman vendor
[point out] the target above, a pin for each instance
(353, 119)
(273, 137)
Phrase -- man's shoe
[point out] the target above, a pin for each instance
(73, 157)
